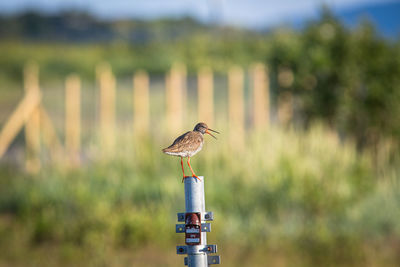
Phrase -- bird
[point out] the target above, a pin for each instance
(189, 144)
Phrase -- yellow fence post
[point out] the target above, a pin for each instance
(141, 106)
(32, 126)
(31, 113)
(73, 118)
(17, 120)
(205, 89)
(176, 97)
(260, 96)
(107, 85)
(236, 105)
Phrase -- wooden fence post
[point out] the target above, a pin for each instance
(17, 120)
(205, 91)
(107, 85)
(32, 126)
(176, 97)
(73, 118)
(260, 96)
(236, 105)
(141, 106)
(31, 113)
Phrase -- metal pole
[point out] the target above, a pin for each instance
(196, 227)
(194, 202)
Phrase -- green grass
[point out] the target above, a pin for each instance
(288, 198)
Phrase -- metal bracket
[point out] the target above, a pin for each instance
(180, 228)
(210, 260)
(181, 217)
(208, 216)
(205, 227)
(209, 249)
(205, 216)
(181, 249)
(213, 259)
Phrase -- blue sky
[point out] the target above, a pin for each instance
(248, 13)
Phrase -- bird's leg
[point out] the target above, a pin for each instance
(183, 170)
(193, 175)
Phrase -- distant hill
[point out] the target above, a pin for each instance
(74, 26)
(68, 26)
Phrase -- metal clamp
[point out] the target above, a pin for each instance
(209, 249)
(208, 216)
(206, 227)
(213, 259)
(181, 217)
(205, 216)
(210, 260)
(181, 249)
(180, 228)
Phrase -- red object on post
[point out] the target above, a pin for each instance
(193, 229)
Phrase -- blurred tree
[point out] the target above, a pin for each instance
(371, 102)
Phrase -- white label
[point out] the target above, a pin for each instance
(192, 230)
(192, 240)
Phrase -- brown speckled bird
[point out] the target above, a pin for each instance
(188, 144)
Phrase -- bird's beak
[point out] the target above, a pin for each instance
(212, 131)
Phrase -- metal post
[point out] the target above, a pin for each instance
(196, 227)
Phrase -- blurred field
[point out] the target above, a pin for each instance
(290, 198)
(322, 189)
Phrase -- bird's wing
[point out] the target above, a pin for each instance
(195, 140)
(187, 141)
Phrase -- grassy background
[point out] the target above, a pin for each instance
(289, 198)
